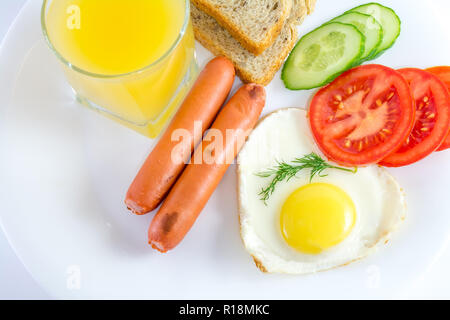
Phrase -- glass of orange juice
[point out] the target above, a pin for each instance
(131, 60)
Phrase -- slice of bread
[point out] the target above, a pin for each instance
(250, 68)
(255, 24)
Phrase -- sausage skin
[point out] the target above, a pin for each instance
(195, 186)
(169, 157)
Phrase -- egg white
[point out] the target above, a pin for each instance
(284, 136)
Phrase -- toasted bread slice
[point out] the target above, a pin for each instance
(255, 24)
(258, 69)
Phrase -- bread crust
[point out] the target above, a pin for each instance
(244, 75)
(253, 47)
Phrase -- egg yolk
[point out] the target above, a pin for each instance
(316, 217)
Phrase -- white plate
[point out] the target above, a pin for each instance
(64, 171)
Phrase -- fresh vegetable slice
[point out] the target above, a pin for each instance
(432, 119)
(369, 27)
(321, 55)
(362, 116)
(443, 73)
(389, 21)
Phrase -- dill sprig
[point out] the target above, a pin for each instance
(285, 171)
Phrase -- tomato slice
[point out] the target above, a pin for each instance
(432, 120)
(362, 116)
(443, 73)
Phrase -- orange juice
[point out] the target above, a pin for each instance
(133, 60)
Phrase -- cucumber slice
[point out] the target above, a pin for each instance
(321, 55)
(389, 21)
(369, 27)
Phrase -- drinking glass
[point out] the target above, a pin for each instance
(143, 99)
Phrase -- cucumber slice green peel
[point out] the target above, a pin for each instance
(388, 19)
(369, 27)
(321, 55)
(314, 62)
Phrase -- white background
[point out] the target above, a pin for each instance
(16, 283)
